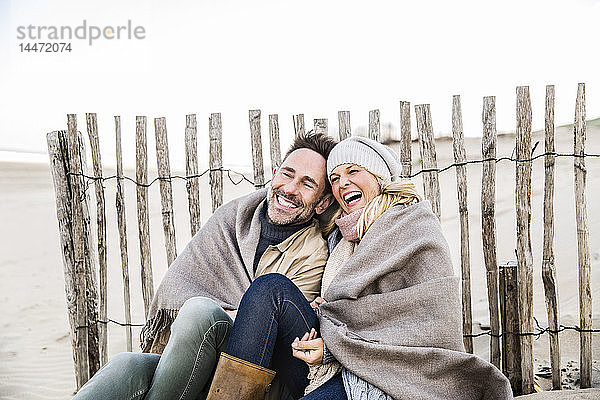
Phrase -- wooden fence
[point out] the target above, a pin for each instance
(510, 286)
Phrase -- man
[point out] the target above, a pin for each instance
(272, 230)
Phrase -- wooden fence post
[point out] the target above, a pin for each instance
(84, 253)
(298, 121)
(191, 170)
(461, 187)
(59, 163)
(374, 126)
(166, 191)
(92, 130)
(488, 221)
(524, 255)
(431, 185)
(405, 139)
(274, 143)
(548, 267)
(91, 279)
(143, 219)
(511, 343)
(122, 224)
(257, 156)
(344, 130)
(585, 291)
(216, 159)
(320, 126)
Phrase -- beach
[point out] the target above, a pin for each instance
(35, 348)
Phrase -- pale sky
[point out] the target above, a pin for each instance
(311, 57)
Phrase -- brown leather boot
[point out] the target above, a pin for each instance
(237, 379)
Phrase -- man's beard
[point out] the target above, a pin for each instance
(298, 215)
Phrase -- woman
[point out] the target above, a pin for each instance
(389, 320)
(353, 187)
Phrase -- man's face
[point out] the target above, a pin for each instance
(296, 190)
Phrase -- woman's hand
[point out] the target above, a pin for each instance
(317, 302)
(309, 348)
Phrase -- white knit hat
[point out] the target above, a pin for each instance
(377, 158)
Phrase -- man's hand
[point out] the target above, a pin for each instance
(317, 302)
(309, 348)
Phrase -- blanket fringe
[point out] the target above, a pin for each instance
(154, 326)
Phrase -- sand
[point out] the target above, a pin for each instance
(35, 349)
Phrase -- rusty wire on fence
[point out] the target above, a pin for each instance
(539, 330)
(549, 153)
(89, 179)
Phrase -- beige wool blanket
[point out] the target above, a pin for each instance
(393, 314)
(217, 263)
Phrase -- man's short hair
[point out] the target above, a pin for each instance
(316, 142)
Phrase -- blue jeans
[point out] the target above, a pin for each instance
(272, 313)
(333, 389)
(184, 371)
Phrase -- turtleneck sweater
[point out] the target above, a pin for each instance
(272, 235)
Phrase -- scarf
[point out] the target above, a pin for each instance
(347, 224)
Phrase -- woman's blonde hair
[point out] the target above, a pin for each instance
(391, 194)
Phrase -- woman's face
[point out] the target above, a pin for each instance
(353, 186)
